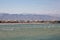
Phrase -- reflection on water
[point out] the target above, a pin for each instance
(30, 32)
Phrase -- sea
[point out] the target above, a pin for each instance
(29, 31)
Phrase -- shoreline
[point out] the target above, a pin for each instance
(25, 23)
(21, 23)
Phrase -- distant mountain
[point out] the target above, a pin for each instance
(27, 17)
(56, 16)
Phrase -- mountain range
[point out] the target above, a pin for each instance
(6, 16)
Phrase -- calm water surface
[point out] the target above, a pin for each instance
(30, 32)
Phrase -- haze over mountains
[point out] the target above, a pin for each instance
(5, 16)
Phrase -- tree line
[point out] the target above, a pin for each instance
(27, 21)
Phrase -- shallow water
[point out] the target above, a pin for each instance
(30, 32)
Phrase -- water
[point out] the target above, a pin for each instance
(30, 32)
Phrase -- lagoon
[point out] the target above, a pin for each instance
(30, 32)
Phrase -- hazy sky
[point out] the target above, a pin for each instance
(30, 6)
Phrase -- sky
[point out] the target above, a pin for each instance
(30, 6)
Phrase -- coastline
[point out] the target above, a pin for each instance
(20, 23)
